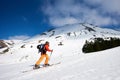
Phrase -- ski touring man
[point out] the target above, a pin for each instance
(43, 55)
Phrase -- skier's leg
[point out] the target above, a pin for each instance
(47, 59)
(40, 59)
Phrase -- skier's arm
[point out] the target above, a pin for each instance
(47, 48)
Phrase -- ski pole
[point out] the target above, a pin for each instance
(50, 55)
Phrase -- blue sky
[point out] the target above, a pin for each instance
(22, 19)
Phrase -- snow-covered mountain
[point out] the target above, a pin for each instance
(69, 35)
(5, 45)
(80, 30)
(67, 42)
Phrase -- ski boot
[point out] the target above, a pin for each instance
(45, 65)
(36, 67)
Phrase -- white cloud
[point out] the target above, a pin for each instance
(94, 18)
(110, 6)
(20, 37)
(55, 21)
(63, 12)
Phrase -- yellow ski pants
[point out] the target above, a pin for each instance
(41, 59)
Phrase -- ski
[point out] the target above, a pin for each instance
(40, 67)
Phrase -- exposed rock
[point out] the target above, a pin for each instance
(2, 44)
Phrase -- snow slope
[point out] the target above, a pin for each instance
(104, 65)
(75, 65)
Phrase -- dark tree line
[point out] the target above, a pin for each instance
(100, 44)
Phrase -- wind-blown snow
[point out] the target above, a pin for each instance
(75, 65)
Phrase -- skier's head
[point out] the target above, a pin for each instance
(46, 42)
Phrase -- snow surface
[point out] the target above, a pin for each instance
(104, 65)
(75, 65)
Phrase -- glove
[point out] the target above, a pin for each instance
(52, 50)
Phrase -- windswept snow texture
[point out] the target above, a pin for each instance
(67, 43)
